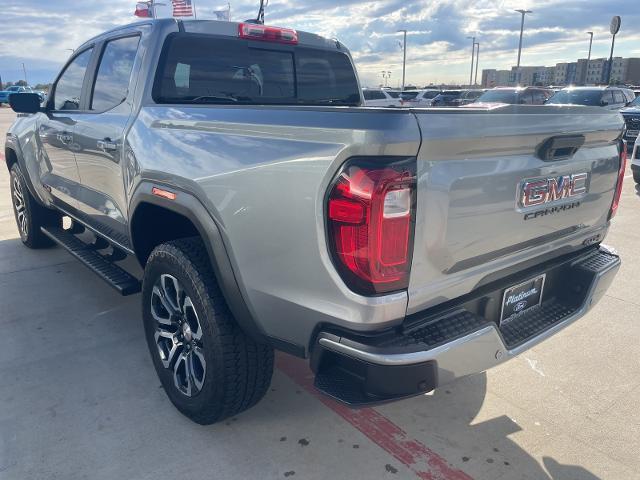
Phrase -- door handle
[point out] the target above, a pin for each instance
(107, 145)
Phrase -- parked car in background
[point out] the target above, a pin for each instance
(467, 97)
(516, 95)
(4, 94)
(379, 97)
(447, 98)
(631, 114)
(613, 98)
(635, 164)
(418, 98)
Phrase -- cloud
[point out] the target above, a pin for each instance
(39, 34)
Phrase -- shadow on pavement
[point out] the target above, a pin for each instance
(87, 390)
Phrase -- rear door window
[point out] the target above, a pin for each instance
(539, 97)
(607, 98)
(197, 68)
(618, 97)
(112, 80)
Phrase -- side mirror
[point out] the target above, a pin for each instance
(25, 102)
(603, 103)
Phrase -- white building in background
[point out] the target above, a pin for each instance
(624, 70)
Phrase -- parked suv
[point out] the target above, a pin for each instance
(395, 249)
(516, 95)
(379, 97)
(612, 98)
(418, 98)
(631, 115)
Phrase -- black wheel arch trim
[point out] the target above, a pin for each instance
(190, 207)
(13, 146)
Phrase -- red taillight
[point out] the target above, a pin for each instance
(253, 31)
(370, 220)
(621, 172)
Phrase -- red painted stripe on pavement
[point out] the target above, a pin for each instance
(424, 462)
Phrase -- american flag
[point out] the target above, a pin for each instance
(182, 8)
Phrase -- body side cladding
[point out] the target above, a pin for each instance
(188, 206)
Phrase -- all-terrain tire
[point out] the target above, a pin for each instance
(29, 214)
(238, 369)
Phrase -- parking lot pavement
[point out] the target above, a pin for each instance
(79, 397)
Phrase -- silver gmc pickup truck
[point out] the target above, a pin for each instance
(230, 173)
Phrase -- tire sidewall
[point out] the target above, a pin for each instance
(16, 173)
(164, 262)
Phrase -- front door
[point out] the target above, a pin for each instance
(57, 162)
(99, 135)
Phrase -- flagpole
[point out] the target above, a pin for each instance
(195, 16)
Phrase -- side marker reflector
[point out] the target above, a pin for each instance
(158, 192)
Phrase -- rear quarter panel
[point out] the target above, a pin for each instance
(263, 173)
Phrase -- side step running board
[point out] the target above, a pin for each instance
(122, 281)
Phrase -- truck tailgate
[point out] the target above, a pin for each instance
(472, 222)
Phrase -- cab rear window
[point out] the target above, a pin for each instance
(197, 68)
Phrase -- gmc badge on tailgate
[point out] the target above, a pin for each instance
(546, 191)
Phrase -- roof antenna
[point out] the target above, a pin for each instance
(260, 19)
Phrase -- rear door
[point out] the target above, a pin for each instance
(58, 169)
(472, 218)
(102, 200)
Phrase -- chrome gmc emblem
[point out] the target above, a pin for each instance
(548, 190)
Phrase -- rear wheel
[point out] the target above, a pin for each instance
(636, 177)
(29, 214)
(208, 367)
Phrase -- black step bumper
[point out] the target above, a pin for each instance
(459, 339)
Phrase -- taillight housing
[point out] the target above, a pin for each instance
(622, 169)
(370, 217)
(255, 31)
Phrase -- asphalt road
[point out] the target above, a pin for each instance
(79, 398)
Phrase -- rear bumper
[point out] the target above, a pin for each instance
(457, 341)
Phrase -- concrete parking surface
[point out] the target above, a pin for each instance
(79, 398)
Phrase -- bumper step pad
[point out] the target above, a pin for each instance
(119, 279)
(355, 375)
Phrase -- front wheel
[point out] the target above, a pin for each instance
(636, 177)
(208, 367)
(29, 214)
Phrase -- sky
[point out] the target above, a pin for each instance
(41, 33)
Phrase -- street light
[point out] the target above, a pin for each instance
(523, 13)
(386, 75)
(473, 52)
(475, 80)
(404, 59)
(588, 56)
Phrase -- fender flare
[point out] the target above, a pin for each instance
(190, 207)
(13, 144)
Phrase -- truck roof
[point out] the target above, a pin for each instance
(217, 27)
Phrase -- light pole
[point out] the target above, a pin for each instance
(386, 75)
(473, 52)
(475, 80)
(404, 58)
(523, 13)
(588, 57)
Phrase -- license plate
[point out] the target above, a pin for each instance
(632, 133)
(522, 297)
